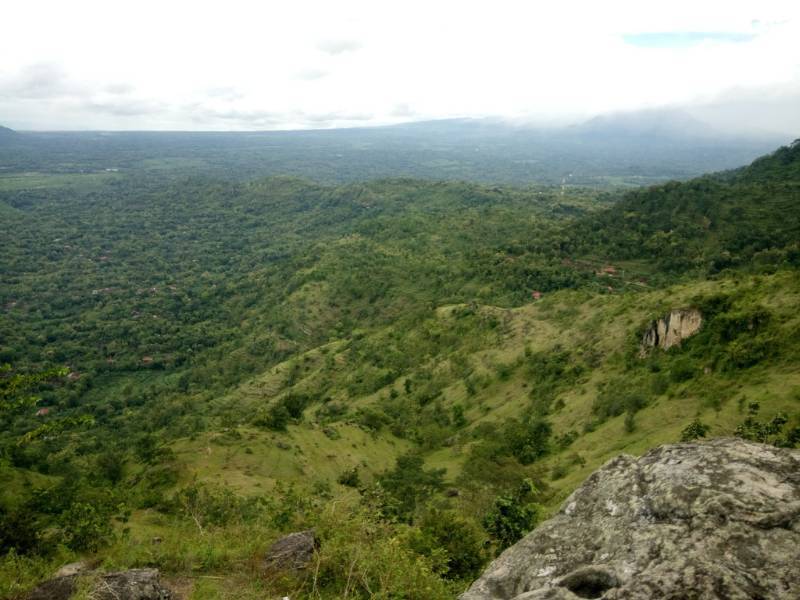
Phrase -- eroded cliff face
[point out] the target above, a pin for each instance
(671, 329)
(700, 520)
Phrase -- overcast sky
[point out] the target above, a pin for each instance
(238, 65)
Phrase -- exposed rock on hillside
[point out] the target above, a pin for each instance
(291, 552)
(670, 330)
(135, 584)
(713, 520)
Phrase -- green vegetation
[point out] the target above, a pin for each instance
(512, 516)
(420, 371)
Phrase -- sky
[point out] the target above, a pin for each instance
(273, 64)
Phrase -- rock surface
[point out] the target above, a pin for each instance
(291, 552)
(73, 569)
(671, 330)
(714, 520)
(135, 584)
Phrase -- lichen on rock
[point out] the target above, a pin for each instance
(719, 519)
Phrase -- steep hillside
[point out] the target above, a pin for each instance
(571, 359)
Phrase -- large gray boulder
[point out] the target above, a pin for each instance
(134, 584)
(292, 552)
(701, 520)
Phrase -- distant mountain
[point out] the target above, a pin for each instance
(657, 123)
(7, 135)
(625, 149)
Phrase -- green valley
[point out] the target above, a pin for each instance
(418, 370)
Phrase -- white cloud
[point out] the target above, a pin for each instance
(338, 46)
(246, 64)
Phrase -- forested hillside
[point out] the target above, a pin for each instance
(419, 370)
(743, 218)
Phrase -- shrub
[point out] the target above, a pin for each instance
(565, 439)
(276, 418)
(372, 419)
(85, 527)
(747, 352)
(512, 515)
(409, 484)
(659, 384)
(767, 432)
(528, 441)
(630, 423)
(362, 556)
(18, 531)
(458, 540)
(694, 430)
(616, 398)
(682, 369)
(350, 478)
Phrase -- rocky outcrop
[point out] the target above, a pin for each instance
(292, 552)
(74, 568)
(671, 330)
(714, 520)
(135, 584)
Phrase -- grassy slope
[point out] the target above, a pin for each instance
(253, 460)
(600, 325)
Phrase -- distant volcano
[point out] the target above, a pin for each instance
(662, 123)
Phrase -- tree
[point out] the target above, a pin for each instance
(409, 484)
(767, 432)
(457, 538)
(694, 430)
(528, 441)
(16, 395)
(15, 388)
(512, 515)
